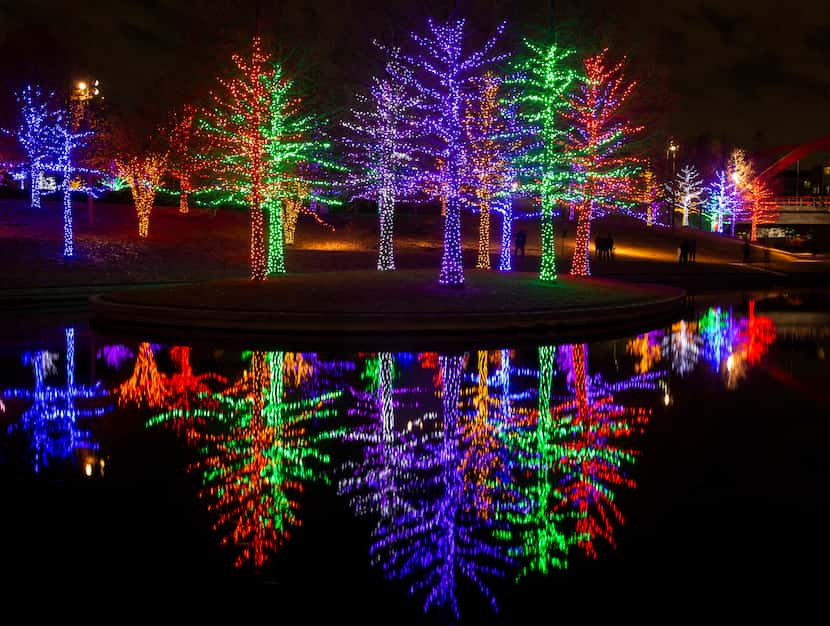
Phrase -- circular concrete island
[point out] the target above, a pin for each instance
(337, 304)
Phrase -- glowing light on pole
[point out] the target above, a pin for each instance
(543, 80)
(603, 170)
(443, 75)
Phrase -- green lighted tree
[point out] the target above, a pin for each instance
(542, 81)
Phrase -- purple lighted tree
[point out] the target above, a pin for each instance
(443, 75)
(381, 147)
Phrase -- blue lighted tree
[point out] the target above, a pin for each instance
(52, 419)
(443, 76)
(36, 134)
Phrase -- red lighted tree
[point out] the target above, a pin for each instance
(184, 160)
(236, 124)
(603, 172)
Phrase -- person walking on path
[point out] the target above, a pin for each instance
(521, 238)
(747, 250)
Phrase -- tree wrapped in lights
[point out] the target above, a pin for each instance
(443, 75)
(37, 134)
(603, 171)
(739, 170)
(52, 419)
(143, 173)
(440, 533)
(258, 448)
(722, 202)
(543, 81)
(292, 146)
(184, 161)
(682, 347)
(652, 196)
(69, 142)
(593, 460)
(147, 386)
(298, 191)
(494, 138)
(762, 209)
(237, 124)
(380, 145)
(686, 192)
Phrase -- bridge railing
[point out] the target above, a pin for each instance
(801, 203)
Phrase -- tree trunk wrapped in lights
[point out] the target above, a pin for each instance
(651, 195)
(762, 209)
(36, 134)
(236, 124)
(543, 81)
(184, 160)
(380, 147)
(722, 203)
(442, 75)
(596, 145)
(493, 138)
(142, 173)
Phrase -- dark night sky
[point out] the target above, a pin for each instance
(730, 69)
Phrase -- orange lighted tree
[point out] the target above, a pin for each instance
(142, 173)
(184, 162)
(762, 208)
(147, 386)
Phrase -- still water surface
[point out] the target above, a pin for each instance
(688, 465)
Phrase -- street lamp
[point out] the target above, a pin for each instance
(82, 93)
(671, 151)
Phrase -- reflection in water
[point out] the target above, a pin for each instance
(256, 448)
(51, 422)
(474, 467)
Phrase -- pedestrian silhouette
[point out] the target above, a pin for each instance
(746, 250)
(692, 250)
(609, 249)
(683, 255)
(521, 238)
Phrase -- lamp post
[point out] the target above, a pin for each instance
(82, 93)
(671, 152)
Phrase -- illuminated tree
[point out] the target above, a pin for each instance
(143, 174)
(183, 386)
(298, 192)
(493, 138)
(258, 448)
(292, 142)
(596, 145)
(762, 209)
(647, 348)
(443, 75)
(51, 421)
(652, 195)
(147, 386)
(439, 533)
(381, 147)
(739, 170)
(593, 460)
(722, 202)
(686, 191)
(682, 347)
(237, 124)
(69, 142)
(543, 81)
(36, 134)
(184, 160)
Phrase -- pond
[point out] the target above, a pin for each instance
(684, 465)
